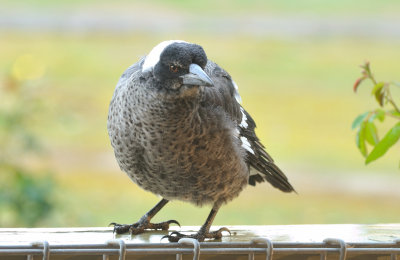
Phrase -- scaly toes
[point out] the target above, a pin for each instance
(162, 225)
(217, 234)
(135, 230)
(200, 236)
(140, 227)
(120, 228)
(175, 236)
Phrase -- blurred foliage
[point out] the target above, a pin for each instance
(25, 199)
(25, 194)
(367, 132)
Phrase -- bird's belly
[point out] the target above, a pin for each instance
(203, 168)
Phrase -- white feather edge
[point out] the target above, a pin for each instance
(246, 145)
(243, 123)
(237, 96)
(154, 56)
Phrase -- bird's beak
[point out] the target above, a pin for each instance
(197, 77)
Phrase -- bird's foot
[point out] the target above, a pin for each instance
(140, 226)
(200, 236)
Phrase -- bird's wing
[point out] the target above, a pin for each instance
(130, 72)
(225, 94)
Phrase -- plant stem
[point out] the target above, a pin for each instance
(388, 93)
(390, 100)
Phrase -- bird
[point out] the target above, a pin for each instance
(178, 130)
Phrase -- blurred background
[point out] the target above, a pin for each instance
(295, 63)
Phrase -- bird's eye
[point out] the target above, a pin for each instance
(173, 68)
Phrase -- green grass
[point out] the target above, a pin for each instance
(97, 199)
(299, 92)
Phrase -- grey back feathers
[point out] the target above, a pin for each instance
(186, 141)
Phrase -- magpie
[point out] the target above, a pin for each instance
(178, 130)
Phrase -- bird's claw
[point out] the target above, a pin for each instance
(173, 221)
(120, 228)
(140, 227)
(200, 236)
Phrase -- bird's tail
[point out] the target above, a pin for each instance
(267, 170)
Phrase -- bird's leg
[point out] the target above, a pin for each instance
(204, 231)
(144, 222)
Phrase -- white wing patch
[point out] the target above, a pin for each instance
(154, 56)
(245, 142)
(243, 123)
(237, 96)
(246, 145)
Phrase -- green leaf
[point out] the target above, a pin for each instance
(383, 146)
(360, 139)
(394, 113)
(371, 134)
(378, 91)
(357, 122)
(379, 113)
(377, 87)
(380, 98)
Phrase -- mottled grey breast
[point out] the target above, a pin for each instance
(178, 130)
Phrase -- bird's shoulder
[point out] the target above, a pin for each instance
(224, 93)
(132, 73)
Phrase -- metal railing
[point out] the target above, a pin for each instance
(264, 247)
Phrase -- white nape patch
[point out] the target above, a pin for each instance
(154, 56)
(243, 123)
(246, 145)
(237, 96)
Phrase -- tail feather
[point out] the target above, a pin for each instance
(261, 161)
(268, 171)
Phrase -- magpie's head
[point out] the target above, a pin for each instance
(177, 65)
